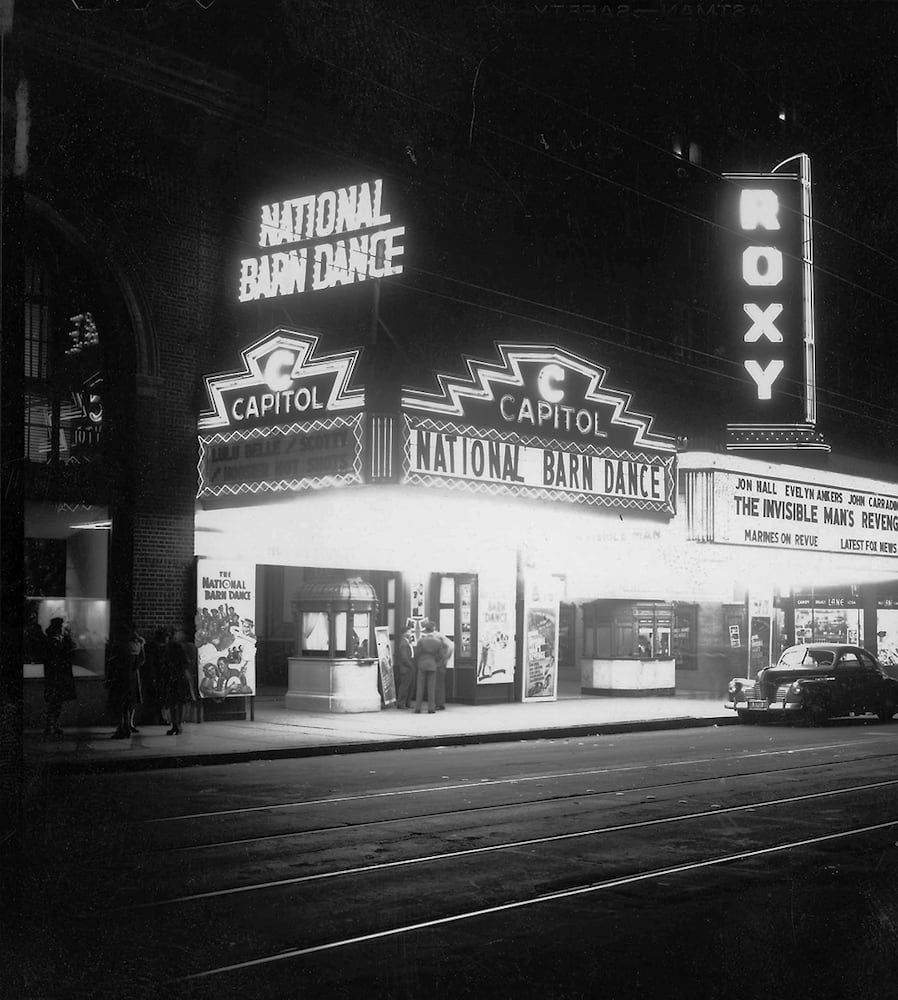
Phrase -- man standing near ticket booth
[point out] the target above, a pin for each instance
(442, 666)
(432, 651)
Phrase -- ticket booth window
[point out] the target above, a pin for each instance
(336, 618)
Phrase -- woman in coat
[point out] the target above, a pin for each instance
(59, 682)
(126, 656)
(171, 680)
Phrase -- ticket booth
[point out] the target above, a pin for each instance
(333, 668)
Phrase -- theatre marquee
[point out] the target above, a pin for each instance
(540, 424)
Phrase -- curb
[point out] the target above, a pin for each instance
(172, 761)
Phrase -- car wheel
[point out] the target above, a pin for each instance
(887, 712)
(816, 712)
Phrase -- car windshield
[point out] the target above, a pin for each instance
(802, 656)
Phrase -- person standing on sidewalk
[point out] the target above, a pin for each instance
(442, 665)
(405, 663)
(126, 656)
(174, 689)
(59, 682)
(429, 656)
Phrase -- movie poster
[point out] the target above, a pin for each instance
(541, 639)
(495, 659)
(225, 628)
(887, 635)
(385, 665)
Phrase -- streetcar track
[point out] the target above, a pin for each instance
(656, 873)
(492, 782)
(489, 807)
(494, 848)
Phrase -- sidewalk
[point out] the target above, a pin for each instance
(277, 733)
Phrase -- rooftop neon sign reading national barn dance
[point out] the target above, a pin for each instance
(338, 237)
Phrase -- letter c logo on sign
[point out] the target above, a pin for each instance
(546, 380)
(278, 367)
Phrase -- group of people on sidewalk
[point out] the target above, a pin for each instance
(157, 675)
(159, 672)
(422, 669)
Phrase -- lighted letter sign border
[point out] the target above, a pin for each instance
(487, 382)
(487, 461)
(758, 212)
(328, 451)
(323, 240)
(288, 358)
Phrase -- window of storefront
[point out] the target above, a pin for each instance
(66, 570)
(828, 616)
(67, 521)
(63, 380)
(887, 630)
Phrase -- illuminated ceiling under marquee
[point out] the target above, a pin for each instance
(298, 372)
(478, 399)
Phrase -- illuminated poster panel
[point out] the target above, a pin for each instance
(496, 631)
(887, 632)
(278, 459)
(385, 665)
(225, 628)
(771, 512)
(760, 632)
(769, 313)
(541, 606)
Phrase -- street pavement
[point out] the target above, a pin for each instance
(274, 732)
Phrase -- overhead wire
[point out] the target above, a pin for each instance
(592, 173)
(620, 130)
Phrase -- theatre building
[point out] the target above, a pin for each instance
(568, 537)
(569, 543)
(489, 504)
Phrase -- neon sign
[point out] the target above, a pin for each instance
(329, 239)
(542, 389)
(772, 315)
(542, 425)
(762, 267)
(281, 459)
(282, 381)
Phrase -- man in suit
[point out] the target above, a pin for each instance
(431, 656)
(405, 665)
(442, 666)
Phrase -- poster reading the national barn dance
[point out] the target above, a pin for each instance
(225, 628)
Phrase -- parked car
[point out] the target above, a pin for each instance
(816, 681)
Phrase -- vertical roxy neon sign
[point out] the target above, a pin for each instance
(772, 317)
